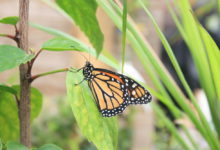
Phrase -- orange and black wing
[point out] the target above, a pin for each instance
(137, 93)
(113, 92)
(108, 92)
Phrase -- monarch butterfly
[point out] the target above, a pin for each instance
(112, 91)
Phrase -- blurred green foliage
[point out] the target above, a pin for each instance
(61, 128)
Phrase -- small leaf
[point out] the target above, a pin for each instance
(103, 132)
(7, 89)
(84, 15)
(15, 146)
(11, 57)
(13, 20)
(9, 124)
(62, 44)
(49, 147)
(107, 59)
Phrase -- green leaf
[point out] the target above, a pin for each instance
(49, 147)
(103, 132)
(9, 125)
(15, 146)
(7, 89)
(108, 60)
(62, 44)
(11, 57)
(36, 102)
(84, 15)
(13, 20)
(9, 129)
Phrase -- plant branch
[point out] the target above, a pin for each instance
(48, 73)
(10, 37)
(33, 60)
(24, 106)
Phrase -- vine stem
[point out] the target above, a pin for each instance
(24, 104)
(48, 73)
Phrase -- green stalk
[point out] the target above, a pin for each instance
(48, 73)
(124, 29)
(218, 6)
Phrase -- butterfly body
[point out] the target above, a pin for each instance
(112, 91)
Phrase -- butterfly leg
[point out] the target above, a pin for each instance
(75, 70)
(79, 82)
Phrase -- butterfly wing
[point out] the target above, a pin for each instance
(137, 93)
(109, 92)
(113, 92)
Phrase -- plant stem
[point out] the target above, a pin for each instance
(32, 61)
(24, 106)
(8, 36)
(48, 73)
(124, 29)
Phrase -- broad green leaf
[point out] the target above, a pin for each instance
(103, 132)
(105, 58)
(49, 147)
(9, 89)
(9, 125)
(9, 129)
(84, 15)
(11, 57)
(15, 146)
(62, 44)
(13, 20)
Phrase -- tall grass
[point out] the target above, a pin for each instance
(206, 56)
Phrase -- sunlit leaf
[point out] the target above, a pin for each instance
(107, 59)
(11, 57)
(62, 44)
(103, 132)
(13, 20)
(84, 15)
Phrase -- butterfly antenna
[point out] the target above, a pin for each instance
(89, 55)
(76, 84)
(84, 57)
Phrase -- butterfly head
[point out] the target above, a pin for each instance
(87, 70)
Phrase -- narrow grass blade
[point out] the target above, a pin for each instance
(124, 29)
